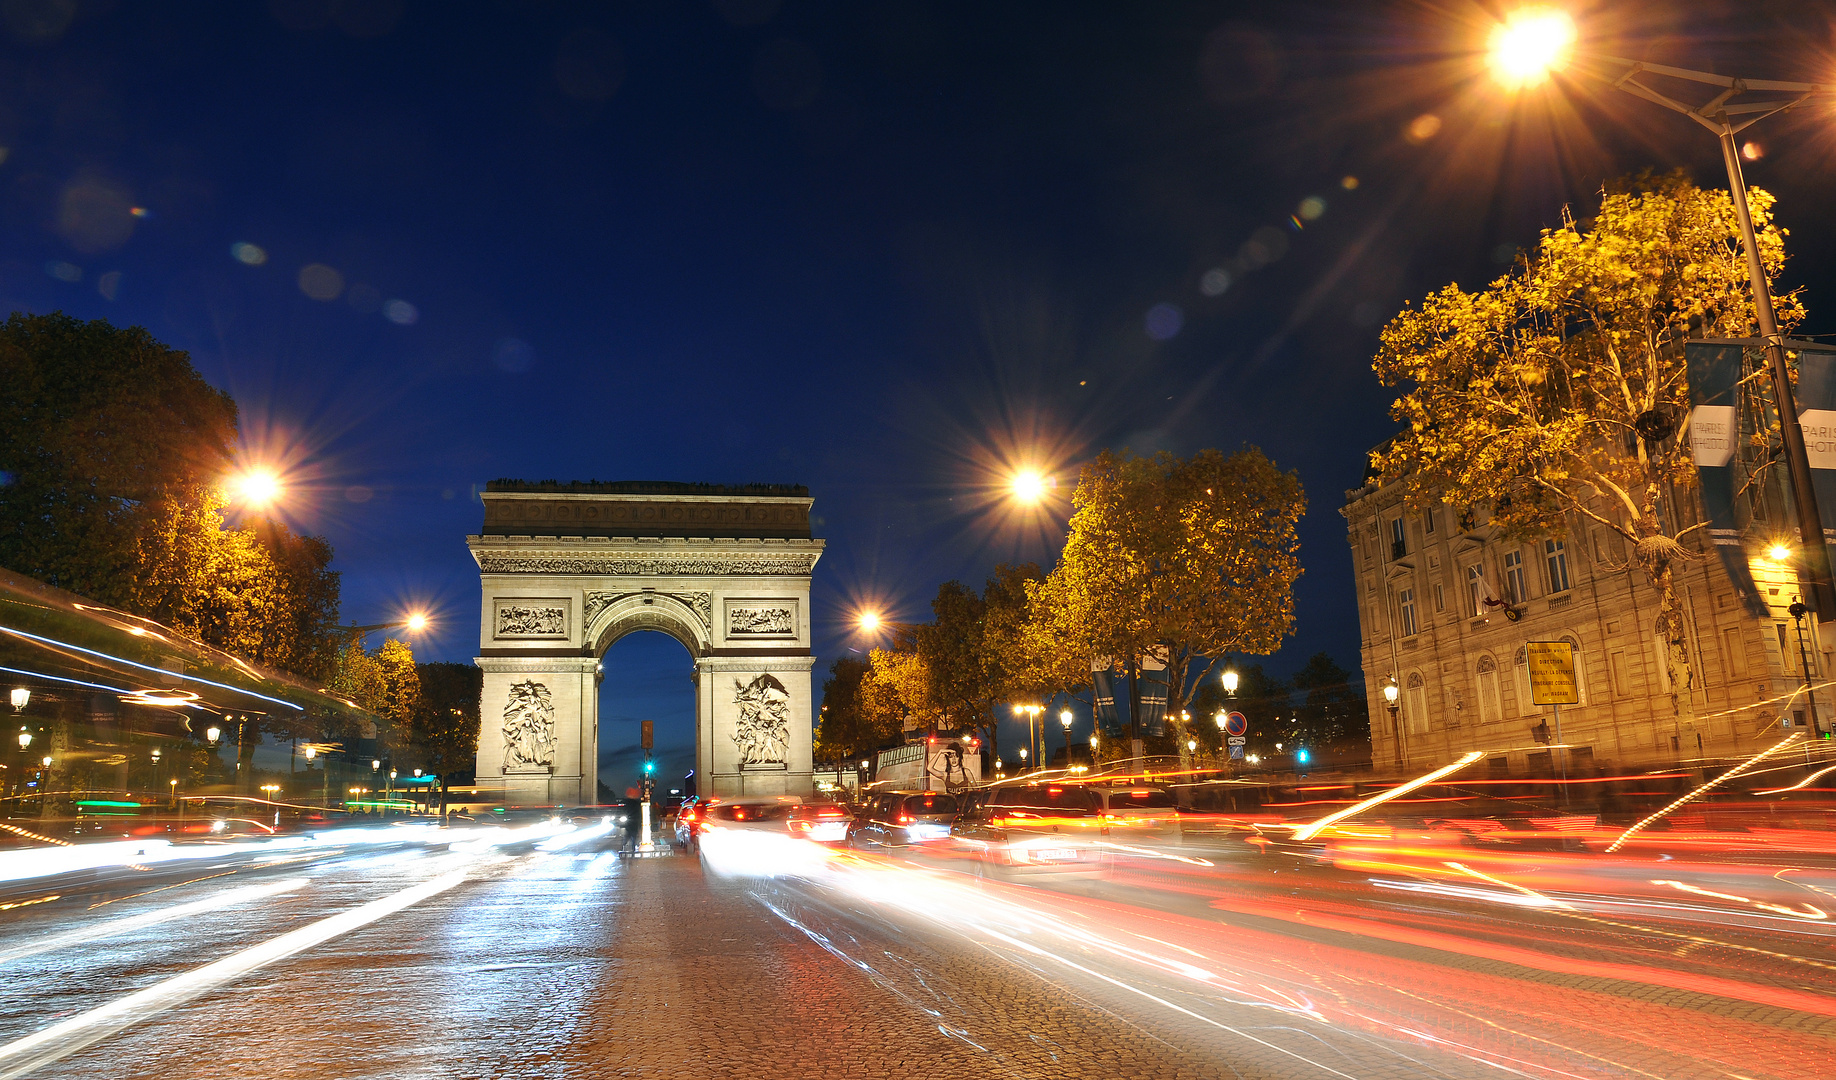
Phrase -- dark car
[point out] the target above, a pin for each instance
(896, 819)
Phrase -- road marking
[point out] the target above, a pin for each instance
(25, 1056)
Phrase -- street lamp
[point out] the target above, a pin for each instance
(20, 697)
(1230, 682)
(1390, 693)
(1028, 486)
(25, 738)
(1064, 721)
(213, 733)
(1023, 757)
(257, 488)
(1537, 41)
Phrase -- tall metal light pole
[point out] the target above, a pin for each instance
(1725, 117)
(1532, 43)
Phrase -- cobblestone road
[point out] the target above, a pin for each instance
(577, 963)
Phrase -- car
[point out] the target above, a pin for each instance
(824, 823)
(729, 814)
(897, 819)
(1031, 829)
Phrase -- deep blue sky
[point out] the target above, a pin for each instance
(877, 249)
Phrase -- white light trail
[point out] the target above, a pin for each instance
(113, 927)
(24, 1057)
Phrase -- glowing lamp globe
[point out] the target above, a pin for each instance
(258, 487)
(1230, 681)
(1529, 44)
(1029, 486)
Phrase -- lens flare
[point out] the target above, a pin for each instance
(257, 487)
(1531, 43)
(1028, 486)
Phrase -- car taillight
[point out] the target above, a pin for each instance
(905, 819)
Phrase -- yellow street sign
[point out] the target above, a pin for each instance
(1552, 673)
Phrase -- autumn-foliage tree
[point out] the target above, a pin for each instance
(443, 736)
(853, 723)
(1187, 559)
(113, 452)
(1557, 393)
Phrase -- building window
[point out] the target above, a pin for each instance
(1440, 598)
(1514, 585)
(1428, 522)
(1784, 649)
(1475, 589)
(1490, 708)
(1399, 540)
(1416, 707)
(1405, 606)
(1580, 670)
(1735, 652)
(1616, 674)
(1555, 552)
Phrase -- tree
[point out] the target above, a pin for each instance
(950, 649)
(849, 726)
(444, 735)
(112, 447)
(1557, 393)
(1186, 559)
(112, 455)
(1331, 711)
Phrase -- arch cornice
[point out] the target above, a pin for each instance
(685, 617)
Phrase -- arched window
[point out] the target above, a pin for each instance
(1490, 709)
(1580, 670)
(1415, 709)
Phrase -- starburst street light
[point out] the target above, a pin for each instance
(1028, 486)
(256, 488)
(1531, 43)
(869, 621)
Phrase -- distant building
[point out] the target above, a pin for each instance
(1434, 589)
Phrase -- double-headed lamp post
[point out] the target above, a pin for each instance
(1535, 42)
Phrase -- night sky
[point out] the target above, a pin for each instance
(887, 250)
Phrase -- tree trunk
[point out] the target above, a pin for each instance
(1657, 553)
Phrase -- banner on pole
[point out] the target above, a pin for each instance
(1720, 419)
(1103, 695)
(1152, 694)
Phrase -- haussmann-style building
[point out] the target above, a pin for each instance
(1434, 591)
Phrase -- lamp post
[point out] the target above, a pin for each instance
(1064, 721)
(1798, 611)
(20, 697)
(1223, 719)
(1390, 693)
(1528, 47)
(1023, 759)
(1230, 682)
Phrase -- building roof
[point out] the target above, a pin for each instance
(644, 487)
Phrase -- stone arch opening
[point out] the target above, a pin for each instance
(646, 674)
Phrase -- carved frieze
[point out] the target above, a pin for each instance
(529, 727)
(798, 565)
(531, 619)
(762, 728)
(761, 621)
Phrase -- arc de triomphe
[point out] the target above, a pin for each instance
(568, 569)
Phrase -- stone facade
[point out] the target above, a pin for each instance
(1423, 581)
(553, 605)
